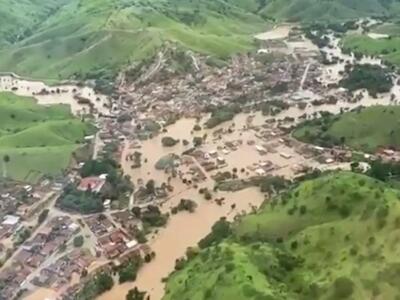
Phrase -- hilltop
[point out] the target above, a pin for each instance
(334, 237)
(37, 139)
(361, 129)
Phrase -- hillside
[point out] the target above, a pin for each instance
(334, 237)
(37, 139)
(96, 38)
(361, 129)
(386, 48)
(327, 10)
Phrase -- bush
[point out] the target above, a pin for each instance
(343, 287)
(168, 141)
(129, 270)
(43, 215)
(78, 241)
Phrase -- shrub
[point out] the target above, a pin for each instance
(343, 287)
(78, 241)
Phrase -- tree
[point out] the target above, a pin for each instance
(43, 215)
(168, 141)
(6, 160)
(129, 271)
(104, 282)
(150, 186)
(197, 141)
(135, 294)
(343, 287)
(78, 241)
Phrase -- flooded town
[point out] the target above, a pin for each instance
(191, 146)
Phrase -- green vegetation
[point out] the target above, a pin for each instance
(373, 78)
(392, 29)
(37, 140)
(94, 39)
(293, 10)
(220, 114)
(43, 215)
(184, 205)
(95, 286)
(386, 48)
(135, 294)
(334, 237)
(151, 216)
(119, 185)
(78, 241)
(361, 129)
(79, 201)
(128, 271)
(168, 141)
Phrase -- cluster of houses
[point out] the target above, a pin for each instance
(112, 240)
(59, 274)
(35, 251)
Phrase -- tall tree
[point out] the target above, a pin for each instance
(6, 160)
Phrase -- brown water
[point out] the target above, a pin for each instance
(183, 230)
(66, 96)
(42, 294)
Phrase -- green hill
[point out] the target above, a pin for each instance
(386, 48)
(328, 10)
(96, 38)
(334, 237)
(360, 129)
(37, 139)
(62, 39)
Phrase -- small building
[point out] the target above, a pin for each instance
(10, 220)
(93, 183)
(285, 155)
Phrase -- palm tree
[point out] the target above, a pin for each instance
(6, 160)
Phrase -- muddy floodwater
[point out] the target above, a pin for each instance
(47, 95)
(183, 230)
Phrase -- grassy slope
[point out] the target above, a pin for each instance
(100, 36)
(362, 130)
(350, 228)
(38, 139)
(94, 38)
(325, 10)
(388, 49)
(18, 18)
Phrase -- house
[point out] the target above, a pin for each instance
(93, 183)
(10, 220)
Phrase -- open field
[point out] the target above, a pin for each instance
(333, 237)
(386, 48)
(361, 130)
(37, 139)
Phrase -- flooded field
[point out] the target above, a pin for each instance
(63, 94)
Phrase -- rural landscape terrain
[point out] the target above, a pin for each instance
(199, 150)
